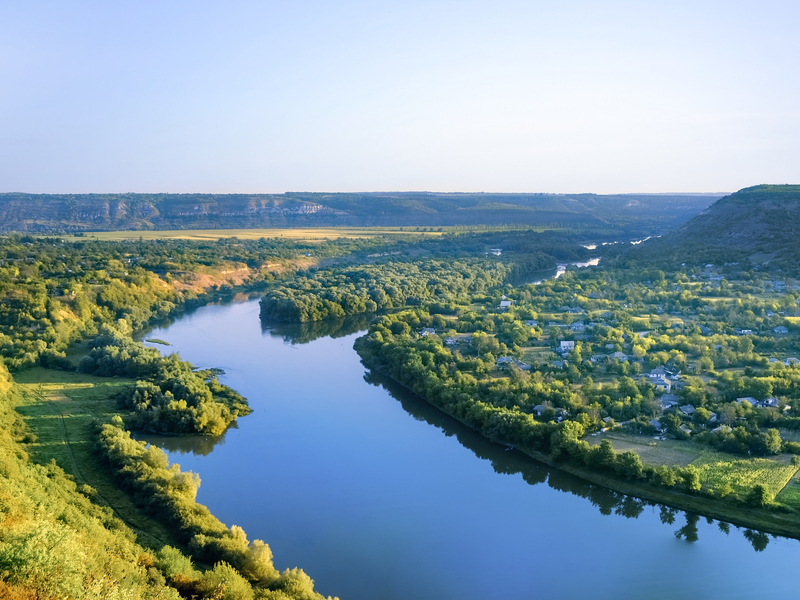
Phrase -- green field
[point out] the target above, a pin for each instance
(59, 409)
(308, 234)
(716, 468)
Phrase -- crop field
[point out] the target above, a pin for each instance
(309, 234)
(717, 469)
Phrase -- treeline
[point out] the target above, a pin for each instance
(340, 292)
(170, 397)
(246, 568)
(55, 292)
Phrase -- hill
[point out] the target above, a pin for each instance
(756, 224)
(637, 214)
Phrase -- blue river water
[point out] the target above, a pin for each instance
(379, 496)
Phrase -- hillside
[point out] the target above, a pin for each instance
(759, 224)
(634, 214)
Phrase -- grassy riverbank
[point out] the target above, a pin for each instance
(59, 409)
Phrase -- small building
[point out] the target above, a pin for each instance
(539, 409)
(427, 331)
(450, 341)
(531, 323)
(656, 424)
(687, 409)
(566, 346)
(578, 326)
(662, 384)
(770, 402)
(621, 356)
(504, 304)
(781, 330)
(504, 361)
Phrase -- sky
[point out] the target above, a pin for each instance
(501, 96)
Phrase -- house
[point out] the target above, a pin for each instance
(791, 361)
(427, 331)
(712, 418)
(531, 323)
(607, 420)
(621, 356)
(748, 399)
(679, 384)
(668, 403)
(770, 402)
(687, 409)
(685, 429)
(504, 304)
(566, 346)
(705, 330)
(496, 251)
(599, 358)
(662, 384)
(539, 409)
(450, 341)
(560, 364)
(781, 330)
(656, 424)
(610, 346)
(578, 326)
(504, 361)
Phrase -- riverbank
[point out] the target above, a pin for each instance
(776, 523)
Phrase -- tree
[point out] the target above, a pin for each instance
(759, 495)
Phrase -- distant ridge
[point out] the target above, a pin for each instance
(643, 213)
(759, 224)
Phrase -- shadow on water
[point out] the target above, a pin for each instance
(303, 333)
(509, 461)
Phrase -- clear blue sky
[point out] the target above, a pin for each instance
(608, 96)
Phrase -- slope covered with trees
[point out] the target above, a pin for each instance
(635, 214)
(760, 223)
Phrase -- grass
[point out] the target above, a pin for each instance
(59, 409)
(673, 453)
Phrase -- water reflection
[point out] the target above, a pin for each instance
(509, 461)
(198, 445)
(303, 333)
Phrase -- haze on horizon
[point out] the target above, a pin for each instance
(357, 96)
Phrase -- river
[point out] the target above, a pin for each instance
(379, 496)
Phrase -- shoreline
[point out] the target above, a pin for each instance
(739, 516)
